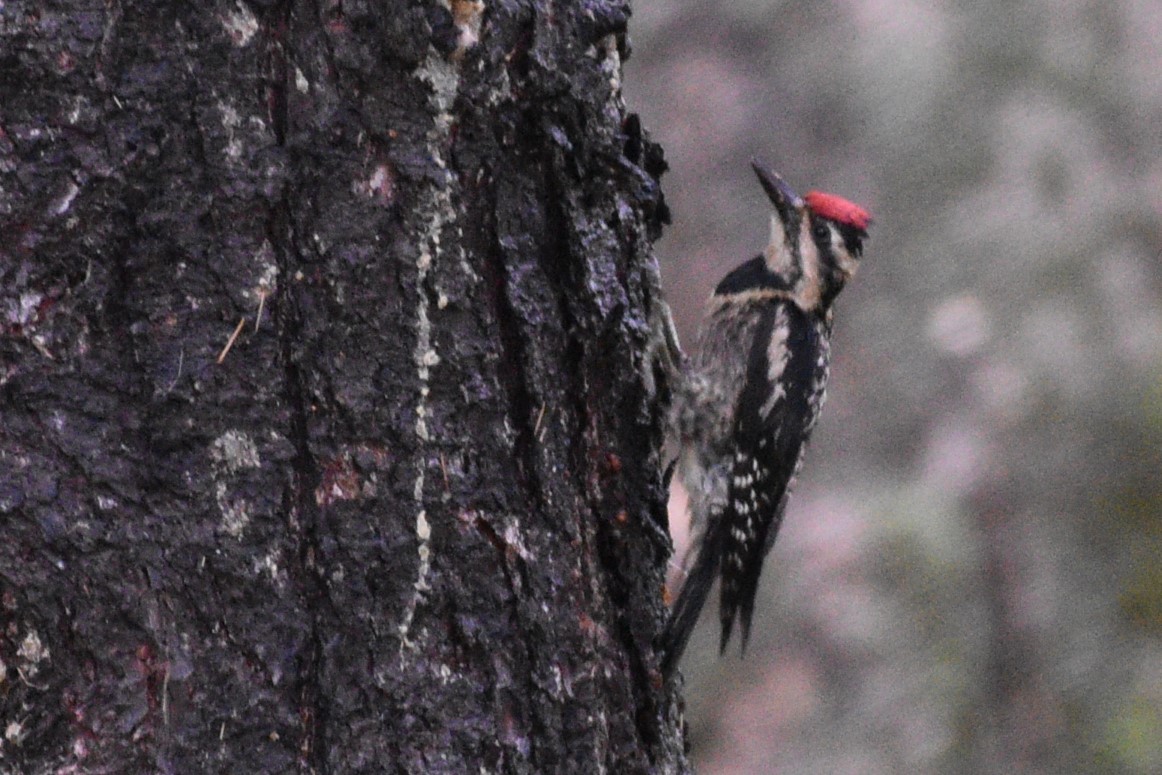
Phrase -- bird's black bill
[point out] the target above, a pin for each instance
(782, 196)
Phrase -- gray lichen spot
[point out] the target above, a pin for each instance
(32, 651)
(270, 565)
(235, 512)
(231, 121)
(240, 24)
(14, 732)
(234, 451)
(268, 277)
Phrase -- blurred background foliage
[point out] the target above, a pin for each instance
(970, 575)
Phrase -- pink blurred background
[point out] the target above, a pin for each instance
(969, 578)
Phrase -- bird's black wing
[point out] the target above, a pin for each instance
(772, 421)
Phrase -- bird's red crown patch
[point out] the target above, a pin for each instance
(838, 209)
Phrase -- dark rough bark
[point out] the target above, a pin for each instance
(411, 518)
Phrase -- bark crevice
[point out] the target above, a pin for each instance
(302, 513)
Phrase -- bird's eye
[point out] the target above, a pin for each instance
(821, 232)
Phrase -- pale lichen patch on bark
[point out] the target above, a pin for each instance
(230, 453)
(240, 24)
(378, 186)
(231, 121)
(234, 451)
(438, 211)
(270, 565)
(14, 732)
(32, 652)
(235, 511)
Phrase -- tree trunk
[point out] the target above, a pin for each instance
(329, 429)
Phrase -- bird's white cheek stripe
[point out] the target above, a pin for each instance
(807, 289)
(779, 255)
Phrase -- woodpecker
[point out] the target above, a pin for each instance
(744, 407)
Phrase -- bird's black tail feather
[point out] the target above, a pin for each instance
(740, 587)
(738, 597)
